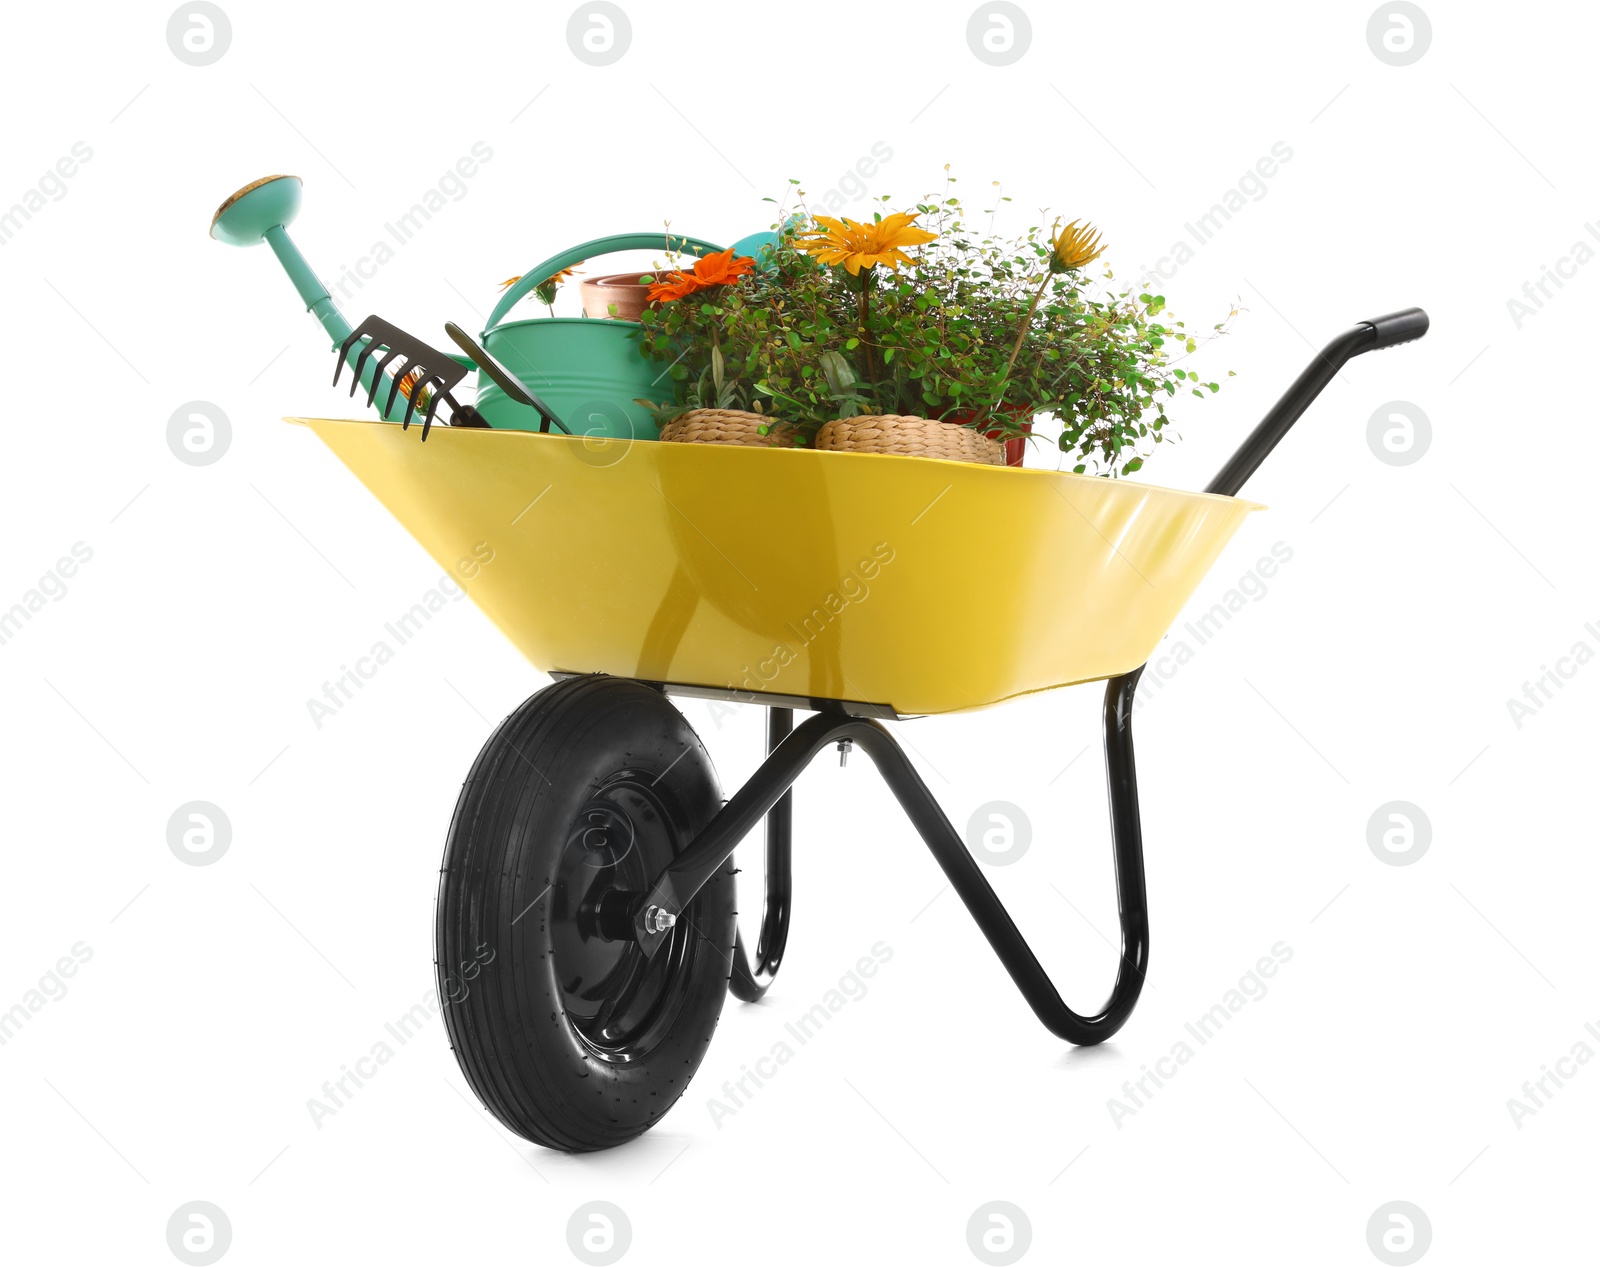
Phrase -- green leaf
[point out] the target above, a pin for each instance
(841, 378)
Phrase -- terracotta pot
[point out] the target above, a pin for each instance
(1016, 446)
(622, 291)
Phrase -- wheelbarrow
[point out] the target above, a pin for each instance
(585, 933)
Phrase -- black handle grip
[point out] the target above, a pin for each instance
(503, 379)
(1400, 327)
(1368, 336)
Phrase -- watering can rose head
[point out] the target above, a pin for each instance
(720, 269)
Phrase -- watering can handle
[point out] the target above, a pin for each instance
(587, 251)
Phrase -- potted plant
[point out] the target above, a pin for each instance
(711, 404)
(915, 332)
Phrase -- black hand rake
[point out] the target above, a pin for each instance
(432, 374)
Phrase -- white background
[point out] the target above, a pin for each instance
(1376, 667)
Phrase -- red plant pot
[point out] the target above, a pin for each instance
(1016, 446)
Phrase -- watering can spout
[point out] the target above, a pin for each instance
(262, 212)
(318, 302)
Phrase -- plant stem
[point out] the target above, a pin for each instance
(1022, 334)
(1027, 320)
(862, 304)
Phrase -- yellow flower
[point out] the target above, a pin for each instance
(1073, 247)
(860, 246)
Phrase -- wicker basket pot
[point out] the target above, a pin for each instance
(912, 436)
(728, 427)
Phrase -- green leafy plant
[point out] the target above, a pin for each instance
(923, 313)
(780, 333)
(711, 389)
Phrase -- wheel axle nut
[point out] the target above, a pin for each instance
(659, 919)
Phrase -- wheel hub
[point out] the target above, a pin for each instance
(618, 1001)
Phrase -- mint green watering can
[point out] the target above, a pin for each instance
(587, 371)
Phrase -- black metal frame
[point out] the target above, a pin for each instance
(790, 750)
(747, 983)
(769, 793)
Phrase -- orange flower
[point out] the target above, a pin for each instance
(720, 269)
(409, 385)
(554, 277)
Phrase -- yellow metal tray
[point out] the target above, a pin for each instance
(911, 584)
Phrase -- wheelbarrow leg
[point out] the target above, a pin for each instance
(751, 984)
(967, 879)
(681, 879)
(1128, 854)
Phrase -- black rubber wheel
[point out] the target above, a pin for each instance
(570, 1040)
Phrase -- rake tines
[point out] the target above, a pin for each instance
(431, 373)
